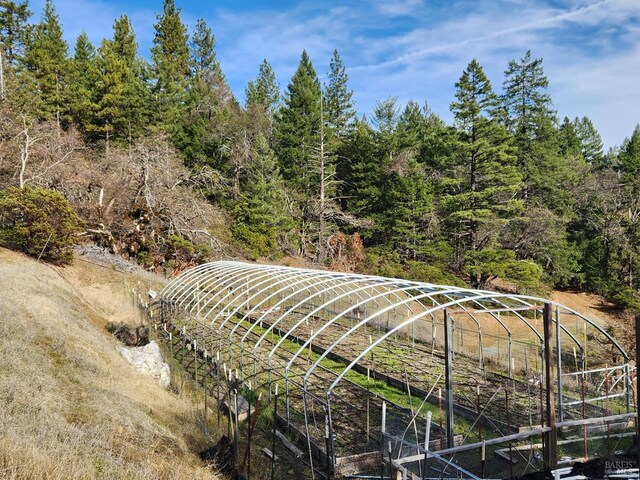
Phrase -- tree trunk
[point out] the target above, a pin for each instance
(1, 76)
(320, 250)
(24, 152)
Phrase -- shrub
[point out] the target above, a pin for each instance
(39, 222)
(184, 252)
(626, 298)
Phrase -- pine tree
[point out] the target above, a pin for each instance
(550, 162)
(338, 104)
(482, 180)
(360, 172)
(205, 131)
(629, 156)
(172, 66)
(203, 54)
(261, 215)
(568, 140)
(264, 91)
(530, 120)
(387, 155)
(411, 213)
(629, 246)
(123, 96)
(298, 127)
(46, 63)
(13, 32)
(386, 116)
(590, 141)
(13, 20)
(412, 126)
(83, 77)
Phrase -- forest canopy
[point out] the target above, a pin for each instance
(163, 163)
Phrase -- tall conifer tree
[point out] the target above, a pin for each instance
(46, 63)
(262, 217)
(482, 180)
(264, 91)
(629, 156)
(123, 96)
(203, 54)
(13, 20)
(83, 79)
(590, 141)
(338, 104)
(171, 64)
(530, 120)
(298, 126)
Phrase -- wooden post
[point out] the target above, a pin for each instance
(204, 381)
(448, 359)
(440, 417)
(559, 369)
(328, 444)
(383, 427)
(606, 409)
(482, 458)
(390, 461)
(247, 452)
(218, 385)
(550, 437)
(506, 403)
(585, 428)
(236, 453)
(638, 382)
(273, 438)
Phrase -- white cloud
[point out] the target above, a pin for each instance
(417, 49)
(395, 8)
(601, 85)
(604, 89)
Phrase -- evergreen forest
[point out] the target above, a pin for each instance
(160, 161)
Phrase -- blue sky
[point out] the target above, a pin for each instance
(413, 49)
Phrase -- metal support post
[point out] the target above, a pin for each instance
(448, 359)
(427, 431)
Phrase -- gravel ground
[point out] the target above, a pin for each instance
(102, 256)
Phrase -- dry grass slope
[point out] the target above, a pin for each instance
(71, 408)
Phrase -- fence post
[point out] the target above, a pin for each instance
(559, 369)
(550, 437)
(383, 428)
(328, 443)
(638, 383)
(273, 438)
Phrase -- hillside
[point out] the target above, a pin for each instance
(72, 408)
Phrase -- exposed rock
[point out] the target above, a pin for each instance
(148, 361)
(130, 336)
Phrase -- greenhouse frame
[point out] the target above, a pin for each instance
(395, 374)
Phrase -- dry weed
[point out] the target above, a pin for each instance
(71, 407)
